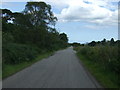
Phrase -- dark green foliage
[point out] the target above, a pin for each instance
(7, 27)
(112, 42)
(63, 37)
(40, 13)
(6, 15)
(22, 20)
(103, 41)
(106, 56)
(93, 43)
(31, 32)
(17, 53)
(7, 38)
(75, 44)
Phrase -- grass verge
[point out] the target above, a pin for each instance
(106, 79)
(12, 69)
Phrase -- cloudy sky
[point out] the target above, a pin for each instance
(82, 20)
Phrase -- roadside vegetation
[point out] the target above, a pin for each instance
(102, 60)
(10, 69)
(27, 35)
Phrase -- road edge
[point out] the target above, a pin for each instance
(89, 74)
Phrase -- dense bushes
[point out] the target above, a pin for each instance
(17, 53)
(29, 33)
(107, 56)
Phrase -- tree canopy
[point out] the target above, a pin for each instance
(34, 26)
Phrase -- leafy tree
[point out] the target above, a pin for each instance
(103, 41)
(31, 32)
(41, 14)
(64, 37)
(112, 41)
(6, 15)
(75, 44)
(93, 43)
(22, 20)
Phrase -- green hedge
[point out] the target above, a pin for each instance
(106, 56)
(17, 53)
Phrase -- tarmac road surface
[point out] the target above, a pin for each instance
(61, 70)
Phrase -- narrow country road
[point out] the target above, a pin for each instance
(62, 70)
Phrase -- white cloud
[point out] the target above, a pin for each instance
(103, 12)
(90, 11)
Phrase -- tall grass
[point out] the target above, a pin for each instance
(105, 56)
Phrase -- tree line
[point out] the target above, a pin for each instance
(32, 31)
(104, 42)
(103, 55)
